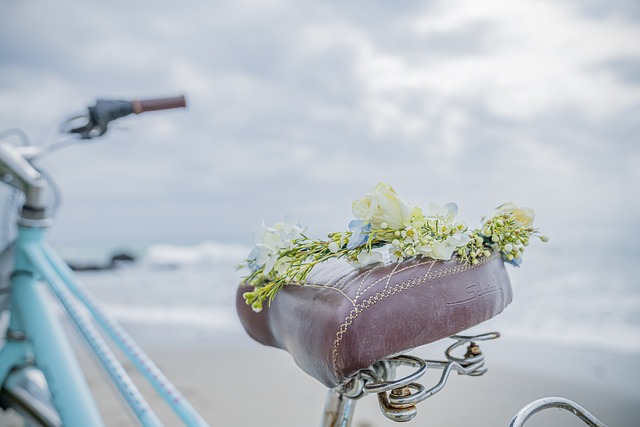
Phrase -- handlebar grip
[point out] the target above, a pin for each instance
(143, 106)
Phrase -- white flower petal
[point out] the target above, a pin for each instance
(366, 258)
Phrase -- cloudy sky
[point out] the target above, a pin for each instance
(299, 107)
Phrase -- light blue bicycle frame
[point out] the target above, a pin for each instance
(35, 336)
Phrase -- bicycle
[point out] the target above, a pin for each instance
(39, 374)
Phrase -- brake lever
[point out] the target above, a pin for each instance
(99, 117)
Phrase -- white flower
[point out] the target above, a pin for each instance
(447, 213)
(425, 249)
(365, 208)
(366, 258)
(281, 265)
(289, 229)
(270, 241)
(444, 249)
(265, 252)
(382, 205)
(445, 218)
(396, 254)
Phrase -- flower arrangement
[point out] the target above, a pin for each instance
(386, 228)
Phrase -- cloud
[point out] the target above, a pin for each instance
(301, 107)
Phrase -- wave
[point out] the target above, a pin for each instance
(204, 254)
(209, 318)
(559, 298)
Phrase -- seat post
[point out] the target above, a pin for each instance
(338, 410)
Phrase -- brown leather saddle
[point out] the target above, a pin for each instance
(345, 319)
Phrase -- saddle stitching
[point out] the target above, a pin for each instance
(391, 275)
(399, 271)
(344, 294)
(387, 292)
(362, 282)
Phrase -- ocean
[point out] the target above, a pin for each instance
(577, 291)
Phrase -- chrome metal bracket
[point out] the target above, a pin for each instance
(398, 397)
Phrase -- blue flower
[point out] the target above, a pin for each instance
(514, 261)
(360, 230)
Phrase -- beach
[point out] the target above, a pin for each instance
(246, 384)
(233, 381)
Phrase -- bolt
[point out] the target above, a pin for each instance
(472, 350)
(401, 392)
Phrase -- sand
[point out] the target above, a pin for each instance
(236, 382)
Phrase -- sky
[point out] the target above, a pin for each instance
(299, 107)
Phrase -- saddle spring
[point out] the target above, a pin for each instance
(398, 398)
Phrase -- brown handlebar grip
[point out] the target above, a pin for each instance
(143, 106)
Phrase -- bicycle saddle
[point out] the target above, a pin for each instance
(345, 319)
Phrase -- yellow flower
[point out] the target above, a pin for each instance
(523, 216)
(383, 205)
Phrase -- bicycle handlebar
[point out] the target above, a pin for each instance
(107, 110)
(15, 162)
(142, 106)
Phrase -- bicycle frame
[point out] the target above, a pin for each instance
(35, 336)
